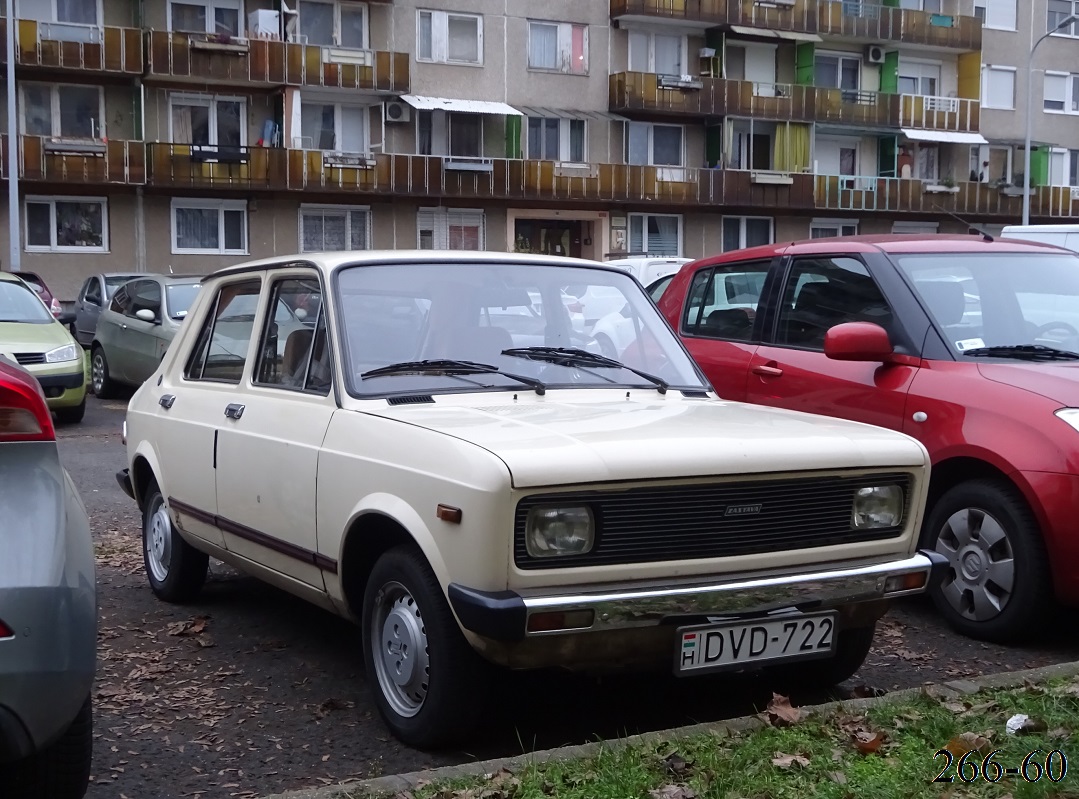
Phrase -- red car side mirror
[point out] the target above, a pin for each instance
(858, 341)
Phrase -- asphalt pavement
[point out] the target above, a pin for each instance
(250, 692)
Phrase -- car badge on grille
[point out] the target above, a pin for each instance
(742, 510)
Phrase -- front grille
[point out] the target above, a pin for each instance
(29, 358)
(642, 525)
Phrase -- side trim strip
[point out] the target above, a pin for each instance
(262, 539)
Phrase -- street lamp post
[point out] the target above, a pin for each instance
(1030, 118)
(12, 147)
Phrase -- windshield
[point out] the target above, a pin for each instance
(19, 304)
(1000, 300)
(403, 313)
(113, 282)
(178, 298)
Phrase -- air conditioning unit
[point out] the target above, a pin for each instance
(396, 111)
(874, 54)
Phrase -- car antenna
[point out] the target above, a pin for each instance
(985, 236)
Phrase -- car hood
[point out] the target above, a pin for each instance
(555, 441)
(1056, 381)
(17, 337)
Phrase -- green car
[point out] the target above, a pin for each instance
(32, 337)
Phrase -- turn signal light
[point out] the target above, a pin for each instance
(905, 582)
(560, 620)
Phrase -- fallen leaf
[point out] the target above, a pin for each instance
(955, 707)
(864, 692)
(781, 713)
(190, 627)
(837, 776)
(205, 641)
(868, 742)
(984, 707)
(786, 761)
(968, 742)
(672, 792)
(676, 764)
(1058, 733)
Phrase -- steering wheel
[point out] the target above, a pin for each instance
(1069, 329)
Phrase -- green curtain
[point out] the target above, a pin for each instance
(513, 136)
(791, 148)
(1039, 166)
(804, 63)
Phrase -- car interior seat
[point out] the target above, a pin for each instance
(730, 323)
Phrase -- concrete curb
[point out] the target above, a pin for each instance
(407, 782)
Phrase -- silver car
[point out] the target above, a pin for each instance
(95, 294)
(48, 605)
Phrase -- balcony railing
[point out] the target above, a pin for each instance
(200, 57)
(89, 48)
(78, 162)
(847, 18)
(645, 91)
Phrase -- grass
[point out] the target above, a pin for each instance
(886, 752)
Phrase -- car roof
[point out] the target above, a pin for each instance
(12, 277)
(331, 261)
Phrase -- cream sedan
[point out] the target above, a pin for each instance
(475, 500)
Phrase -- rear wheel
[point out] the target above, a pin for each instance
(175, 569)
(104, 387)
(62, 771)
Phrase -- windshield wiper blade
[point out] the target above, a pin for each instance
(452, 367)
(1026, 352)
(572, 356)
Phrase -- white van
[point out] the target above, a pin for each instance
(648, 270)
(1066, 236)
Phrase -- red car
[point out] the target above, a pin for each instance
(967, 344)
(35, 282)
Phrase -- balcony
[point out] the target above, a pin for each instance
(645, 92)
(225, 60)
(191, 166)
(76, 163)
(851, 19)
(86, 48)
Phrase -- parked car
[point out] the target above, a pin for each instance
(1066, 236)
(34, 281)
(31, 336)
(472, 499)
(970, 346)
(95, 294)
(649, 270)
(48, 604)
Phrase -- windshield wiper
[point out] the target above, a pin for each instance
(451, 367)
(572, 356)
(1025, 352)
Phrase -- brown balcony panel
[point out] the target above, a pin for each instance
(741, 190)
(117, 162)
(183, 55)
(119, 51)
(181, 165)
(305, 65)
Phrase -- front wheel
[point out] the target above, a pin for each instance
(998, 585)
(425, 675)
(62, 771)
(175, 569)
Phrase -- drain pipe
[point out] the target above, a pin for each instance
(13, 215)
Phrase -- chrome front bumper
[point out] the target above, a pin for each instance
(507, 616)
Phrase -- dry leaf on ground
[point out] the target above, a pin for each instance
(968, 742)
(781, 713)
(672, 792)
(868, 742)
(786, 761)
(837, 777)
(193, 626)
(676, 764)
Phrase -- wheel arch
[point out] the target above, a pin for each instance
(953, 471)
(144, 471)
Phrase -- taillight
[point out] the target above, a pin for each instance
(5, 631)
(55, 307)
(575, 307)
(24, 416)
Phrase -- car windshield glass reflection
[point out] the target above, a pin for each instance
(1008, 305)
(420, 319)
(179, 298)
(19, 304)
(114, 282)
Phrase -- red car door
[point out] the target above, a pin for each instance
(718, 322)
(790, 369)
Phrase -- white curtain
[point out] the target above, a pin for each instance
(543, 46)
(197, 229)
(668, 55)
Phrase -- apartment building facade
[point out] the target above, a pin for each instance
(162, 135)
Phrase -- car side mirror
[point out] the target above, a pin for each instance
(146, 315)
(858, 341)
(66, 318)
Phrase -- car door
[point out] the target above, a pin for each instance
(790, 369)
(88, 309)
(135, 351)
(272, 433)
(719, 323)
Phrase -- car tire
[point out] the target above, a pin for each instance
(851, 650)
(435, 698)
(71, 415)
(100, 382)
(998, 587)
(175, 569)
(60, 771)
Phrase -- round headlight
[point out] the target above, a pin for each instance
(552, 531)
(877, 507)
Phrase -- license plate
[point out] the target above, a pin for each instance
(729, 645)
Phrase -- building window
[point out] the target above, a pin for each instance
(996, 14)
(209, 227)
(1063, 167)
(205, 120)
(332, 126)
(553, 139)
(837, 72)
(209, 16)
(332, 23)
(830, 228)
(1060, 10)
(333, 228)
(998, 87)
(72, 112)
(450, 229)
(558, 46)
(919, 77)
(67, 224)
(746, 231)
(655, 145)
(660, 53)
(656, 235)
(1061, 92)
(449, 38)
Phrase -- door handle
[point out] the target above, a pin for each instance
(166, 400)
(767, 370)
(234, 411)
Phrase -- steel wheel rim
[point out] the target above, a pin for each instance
(981, 559)
(97, 371)
(158, 543)
(399, 648)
